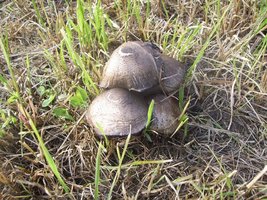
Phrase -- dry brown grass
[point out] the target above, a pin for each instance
(220, 154)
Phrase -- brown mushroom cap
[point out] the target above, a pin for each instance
(132, 66)
(172, 74)
(151, 48)
(165, 114)
(117, 112)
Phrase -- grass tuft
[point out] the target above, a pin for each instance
(28, 119)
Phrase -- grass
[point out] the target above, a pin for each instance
(51, 59)
(27, 118)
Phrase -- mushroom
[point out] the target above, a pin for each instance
(132, 63)
(134, 69)
(117, 112)
(165, 114)
(132, 66)
(151, 48)
(172, 74)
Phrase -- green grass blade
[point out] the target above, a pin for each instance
(150, 113)
(78, 61)
(47, 155)
(97, 171)
(4, 47)
(206, 44)
(38, 14)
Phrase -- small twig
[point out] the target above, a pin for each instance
(230, 133)
(232, 104)
(257, 177)
(29, 53)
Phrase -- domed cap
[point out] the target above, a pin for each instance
(117, 112)
(132, 66)
(165, 114)
(172, 75)
(151, 48)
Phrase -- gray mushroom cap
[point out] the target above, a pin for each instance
(165, 114)
(172, 74)
(132, 66)
(117, 112)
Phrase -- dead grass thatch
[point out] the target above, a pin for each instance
(219, 154)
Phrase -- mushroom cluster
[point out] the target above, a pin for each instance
(136, 73)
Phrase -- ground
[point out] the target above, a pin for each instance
(52, 54)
